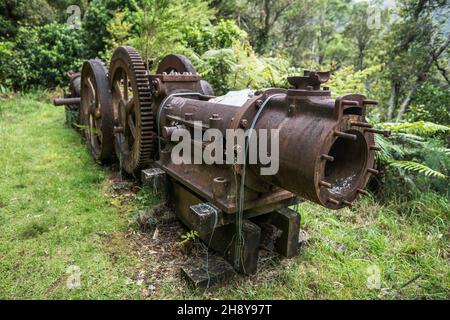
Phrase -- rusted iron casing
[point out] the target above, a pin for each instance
(326, 152)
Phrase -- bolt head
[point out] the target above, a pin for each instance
(244, 123)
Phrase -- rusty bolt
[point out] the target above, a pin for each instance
(363, 192)
(370, 102)
(327, 157)
(347, 203)
(360, 124)
(333, 201)
(385, 133)
(244, 123)
(324, 184)
(374, 148)
(345, 135)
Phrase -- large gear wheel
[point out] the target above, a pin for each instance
(175, 63)
(132, 101)
(97, 113)
(180, 64)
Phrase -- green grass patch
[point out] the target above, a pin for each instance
(55, 212)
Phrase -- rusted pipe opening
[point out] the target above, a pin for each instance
(349, 164)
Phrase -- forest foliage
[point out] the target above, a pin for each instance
(396, 52)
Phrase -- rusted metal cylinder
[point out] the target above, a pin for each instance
(66, 101)
(315, 162)
(177, 108)
(323, 156)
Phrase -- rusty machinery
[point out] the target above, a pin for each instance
(72, 99)
(326, 152)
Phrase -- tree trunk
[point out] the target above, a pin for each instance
(362, 43)
(405, 103)
(392, 101)
(360, 60)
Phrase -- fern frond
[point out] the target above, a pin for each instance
(441, 150)
(389, 150)
(416, 167)
(410, 137)
(417, 128)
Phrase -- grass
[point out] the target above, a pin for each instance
(56, 211)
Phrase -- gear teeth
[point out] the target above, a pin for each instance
(145, 151)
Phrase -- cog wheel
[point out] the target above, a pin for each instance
(132, 101)
(180, 64)
(175, 63)
(97, 113)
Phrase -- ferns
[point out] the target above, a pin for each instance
(414, 159)
(411, 166)
(348, 80)
(389, 150)
(238, 67)
(393, 155)
(416, 128)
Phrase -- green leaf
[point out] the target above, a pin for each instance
(415, 128)
(416, 167)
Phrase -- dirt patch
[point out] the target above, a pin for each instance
(60, 282)
(154, 235)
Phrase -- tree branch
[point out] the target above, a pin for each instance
(442, 70)
(422, 76)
